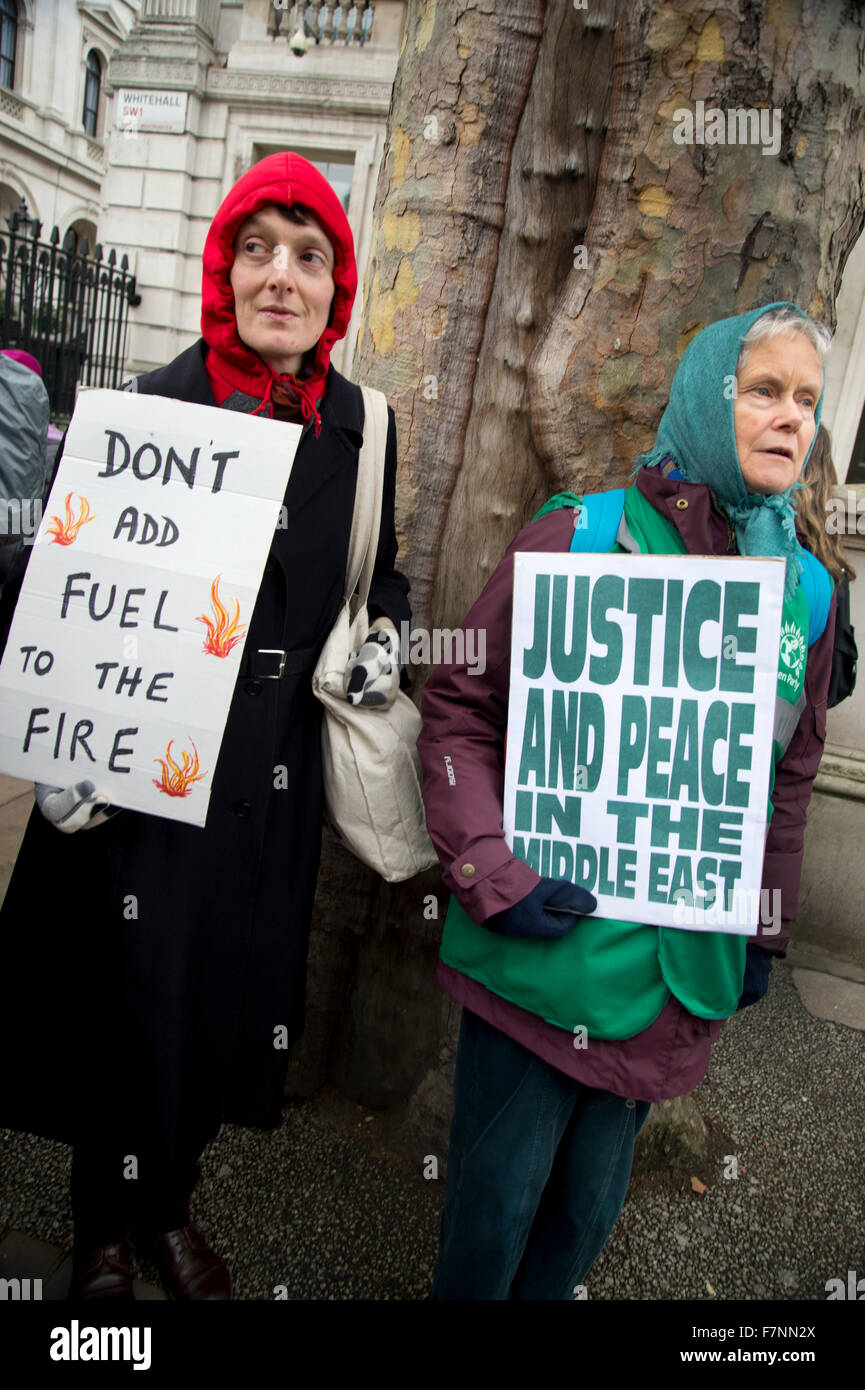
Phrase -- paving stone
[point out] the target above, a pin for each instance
(24, 1258)
(825, 996)
(13, 787)
(57, 1287)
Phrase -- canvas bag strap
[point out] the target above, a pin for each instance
(363, 543)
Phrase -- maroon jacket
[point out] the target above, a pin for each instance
(465, 720)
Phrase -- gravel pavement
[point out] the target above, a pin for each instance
(785, 1097)
(319, 1209)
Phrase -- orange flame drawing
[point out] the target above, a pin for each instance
(223, 634)
(67, 530)
(177, 780)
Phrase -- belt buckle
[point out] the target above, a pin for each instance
(271, 675)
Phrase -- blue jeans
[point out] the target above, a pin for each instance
(538, 1168)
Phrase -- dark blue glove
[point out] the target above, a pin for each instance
(758, 967)
(548, 913)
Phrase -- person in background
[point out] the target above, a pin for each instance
(154, 972)
(53, 435)
(24, 460)
(543, 1130)
(822, 539)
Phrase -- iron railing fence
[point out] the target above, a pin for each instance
(66, 307)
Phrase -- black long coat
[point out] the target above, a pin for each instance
(153, 971)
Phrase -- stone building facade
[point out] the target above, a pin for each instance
(246, 94)
(55, 116)
(187, 94)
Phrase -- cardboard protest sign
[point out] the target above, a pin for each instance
(129, 629)
(642, 703)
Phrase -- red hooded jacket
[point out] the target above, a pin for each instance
(283, 178)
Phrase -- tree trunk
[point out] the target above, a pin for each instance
(680, 236)
(460, 89)
(544, 249)
(557, 153)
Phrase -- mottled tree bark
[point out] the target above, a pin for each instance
(555, 164)
(551, 366)
(680, 235)
(461, 86)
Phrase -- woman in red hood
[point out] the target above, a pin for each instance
(259, 309)
(177, 980)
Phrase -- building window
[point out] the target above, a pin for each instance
(339, 173)
(92, 85)
(337, 167)
(8, 41)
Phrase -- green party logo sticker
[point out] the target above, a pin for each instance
(793, 648)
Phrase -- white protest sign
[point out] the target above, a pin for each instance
(128, 633)
(640, 730)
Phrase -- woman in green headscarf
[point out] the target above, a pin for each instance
(778, 354)
(572, 1025)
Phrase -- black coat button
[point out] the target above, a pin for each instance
(254, 687)
(242, 808)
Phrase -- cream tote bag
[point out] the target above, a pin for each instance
(372, 779)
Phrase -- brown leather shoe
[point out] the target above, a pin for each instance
(104, 1273)
(190, 1269)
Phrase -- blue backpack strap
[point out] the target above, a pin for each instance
(817, 583)
(597, 526)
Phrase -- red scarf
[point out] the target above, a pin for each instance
(284, 179)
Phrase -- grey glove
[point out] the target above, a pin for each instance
(73, 808)
(372, 674)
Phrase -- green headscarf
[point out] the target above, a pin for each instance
(698, 433)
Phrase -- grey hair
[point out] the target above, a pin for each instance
(785, 320)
